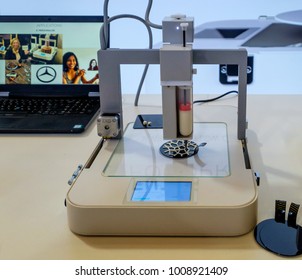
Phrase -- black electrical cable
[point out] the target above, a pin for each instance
(105, 27)
(104, 42)
(214, 98)
(147, 15)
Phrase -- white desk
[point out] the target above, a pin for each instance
(35, 170)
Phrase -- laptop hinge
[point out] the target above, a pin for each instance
(93, 93)
(7, 93)
(12, 94)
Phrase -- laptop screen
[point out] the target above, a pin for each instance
(42, 54)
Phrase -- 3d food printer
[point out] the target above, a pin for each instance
(196, 182)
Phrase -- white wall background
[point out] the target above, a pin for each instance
(127, 33)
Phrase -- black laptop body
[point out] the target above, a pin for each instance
(49, 80)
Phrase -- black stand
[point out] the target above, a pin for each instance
(278, 235)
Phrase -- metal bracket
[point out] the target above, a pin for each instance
(75, 174)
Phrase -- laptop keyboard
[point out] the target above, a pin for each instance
(48, 106)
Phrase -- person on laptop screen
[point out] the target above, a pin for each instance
(15, 51)
(72, 74)
(93, 65)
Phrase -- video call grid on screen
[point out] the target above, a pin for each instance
(45, 43)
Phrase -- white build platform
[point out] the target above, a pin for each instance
(132, 189)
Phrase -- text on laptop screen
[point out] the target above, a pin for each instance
(49, 52)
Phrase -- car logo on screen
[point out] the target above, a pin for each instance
(46, 74)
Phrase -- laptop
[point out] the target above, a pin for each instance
(50, 85)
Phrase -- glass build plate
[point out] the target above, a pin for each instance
(137, 154)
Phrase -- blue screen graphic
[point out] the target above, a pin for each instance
(156, 191)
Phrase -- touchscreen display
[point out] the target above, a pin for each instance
(161, 191)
